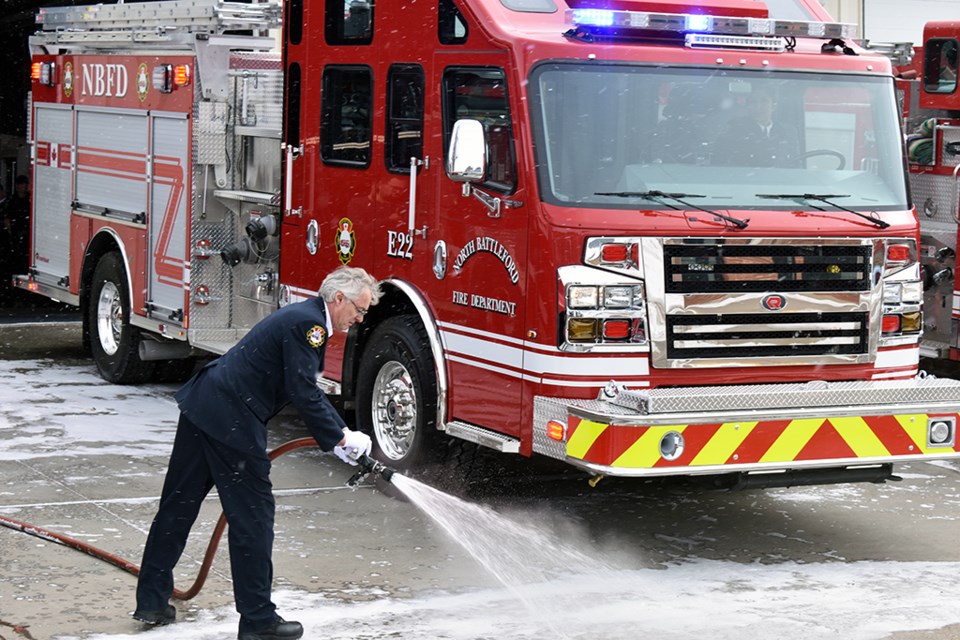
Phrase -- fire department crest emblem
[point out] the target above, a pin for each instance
(143, 83)
(68, 79)
(316, 336)
(346, 240)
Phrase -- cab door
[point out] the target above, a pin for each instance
(299, 99)
(484, 236)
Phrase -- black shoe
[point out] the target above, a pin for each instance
(161, 617)
(279, 630)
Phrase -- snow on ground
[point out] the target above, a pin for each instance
(41, 401)
(696, 600)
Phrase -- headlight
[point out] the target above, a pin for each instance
(605, 315)
(892, 293)
(617, 297)
(582, 297)
(912, 292)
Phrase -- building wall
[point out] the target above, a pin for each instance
(892, 20)
(844, 10)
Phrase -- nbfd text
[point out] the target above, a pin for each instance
(108, 80)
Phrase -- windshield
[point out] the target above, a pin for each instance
(608, 135)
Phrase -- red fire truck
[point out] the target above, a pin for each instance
(645, 237)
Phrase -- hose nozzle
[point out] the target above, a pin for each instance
(367, 466)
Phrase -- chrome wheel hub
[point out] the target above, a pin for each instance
(394, 410)
(109, 318)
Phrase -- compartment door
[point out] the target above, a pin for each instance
(53, 191)
(167, 218)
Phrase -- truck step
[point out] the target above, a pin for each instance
(934, 349)
(485, 437)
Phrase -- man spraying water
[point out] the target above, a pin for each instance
(222, 440)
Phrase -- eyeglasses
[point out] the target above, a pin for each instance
(360, 310)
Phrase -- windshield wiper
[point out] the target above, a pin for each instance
(826, 198)
(676, 197)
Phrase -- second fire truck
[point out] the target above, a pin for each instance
(588, 250)
(928, 82)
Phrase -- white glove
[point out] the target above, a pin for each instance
(355, 444)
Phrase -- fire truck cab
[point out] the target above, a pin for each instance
(644, 237)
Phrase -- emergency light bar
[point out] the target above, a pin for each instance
(616, 22)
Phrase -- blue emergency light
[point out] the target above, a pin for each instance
(594, 17)
(615, 22)
(699, 23)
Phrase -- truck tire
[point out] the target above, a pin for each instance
(397, 394)
(115, 344)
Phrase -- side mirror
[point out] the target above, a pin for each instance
(467, 156)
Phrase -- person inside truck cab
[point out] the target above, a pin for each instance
(758, 138)
(682, 135)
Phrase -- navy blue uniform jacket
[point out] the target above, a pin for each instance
(275, 364)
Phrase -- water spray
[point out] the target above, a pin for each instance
(367, 466)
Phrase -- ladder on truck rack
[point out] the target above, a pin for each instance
(900, 53)
(207, 16)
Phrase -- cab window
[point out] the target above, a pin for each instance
(404, 116)
(451, 27)
(480, 93)
(349, 22)
(345, 128)
(940, 65)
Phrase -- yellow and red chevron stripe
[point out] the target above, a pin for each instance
(753, 443)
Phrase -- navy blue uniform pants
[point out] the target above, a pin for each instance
(243, 484)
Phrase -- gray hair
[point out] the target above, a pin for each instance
(351, 281)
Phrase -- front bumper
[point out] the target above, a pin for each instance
(751, 428)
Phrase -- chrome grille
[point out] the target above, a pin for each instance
(738, 268)
(766, 335)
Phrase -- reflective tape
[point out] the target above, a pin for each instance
(761, 442)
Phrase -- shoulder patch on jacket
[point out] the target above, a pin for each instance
(316, 336)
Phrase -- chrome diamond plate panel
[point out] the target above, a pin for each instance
(934, 196)
(927, 390)
(546, 409)
(210, 132)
